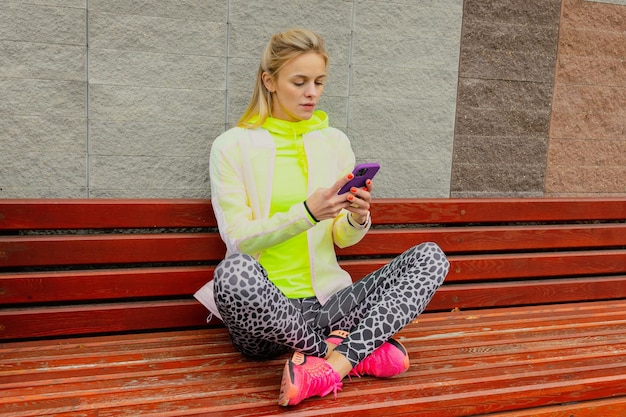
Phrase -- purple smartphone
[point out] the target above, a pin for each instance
(362, 173)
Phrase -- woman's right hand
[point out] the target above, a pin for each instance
(325, 203)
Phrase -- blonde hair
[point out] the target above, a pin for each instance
(282, 48)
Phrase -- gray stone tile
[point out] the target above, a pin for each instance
(45, 61)
(248, 42)
(409, 19)
(404, 83)
(212, 10)
(43, 24)
(77, 4)
(379, 116)
(323, 16)
(45, 97)
(41, 134)
(134, 193)
(151, 138)
(46, 192)
(150, 69)
(413, 52)
(148, 173)
(42, 169)
(156, 104)
(156, 34)
(399, 177)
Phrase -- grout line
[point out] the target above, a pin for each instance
(87, 97)
(227, 69)
(350, 56)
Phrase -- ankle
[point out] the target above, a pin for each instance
(339, 363)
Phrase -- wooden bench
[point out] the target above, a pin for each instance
(97, 318)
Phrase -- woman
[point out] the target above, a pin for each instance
(274, 184)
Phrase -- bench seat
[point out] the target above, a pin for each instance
(463, 363)
(97, 318)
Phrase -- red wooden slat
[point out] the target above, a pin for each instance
(104, 213)
(490, 239)
(41, 287)
(100, 318)
(496, 210)
(517, 293)
(561, 264)
(102, 249)
(611, 407)
(114, 213)
(36, 322)
(109, 249)
(493, 267)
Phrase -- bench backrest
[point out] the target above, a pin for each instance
(76, 267)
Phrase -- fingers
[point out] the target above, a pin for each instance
(325, 203)
(363, 193)
(338, 185)
(360, 199)
(328, 203)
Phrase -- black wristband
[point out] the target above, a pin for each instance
(309, 211)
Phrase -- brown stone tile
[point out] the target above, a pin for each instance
(501, 122)
(484, 35)
(506, 65)
(594, 16)
(497, 194)
(542, 12)
(583, 195)
(592, 43)
(586, 152)
(585, 179)
(527, 150)
(497, 178)
(584, 70)
(474, 92)
(595, 125)
(573, 98)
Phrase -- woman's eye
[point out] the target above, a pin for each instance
(298, 84)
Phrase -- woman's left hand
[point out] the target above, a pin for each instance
(360, 199)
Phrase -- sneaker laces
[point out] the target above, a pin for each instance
(321, 379)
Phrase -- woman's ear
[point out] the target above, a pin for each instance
(268, 82)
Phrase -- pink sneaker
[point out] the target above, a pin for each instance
(307, 376)
(389, 359)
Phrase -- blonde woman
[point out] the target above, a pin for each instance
(274, 184)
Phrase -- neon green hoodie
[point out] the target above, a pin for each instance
(257, 210)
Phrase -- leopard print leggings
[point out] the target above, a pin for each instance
(263, 323)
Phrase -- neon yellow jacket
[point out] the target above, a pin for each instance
(241, 172)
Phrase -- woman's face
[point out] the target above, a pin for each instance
(297, 87)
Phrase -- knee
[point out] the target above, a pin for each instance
(434, 259)
(236, 268)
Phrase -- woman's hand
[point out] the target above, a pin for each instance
(360, 199)
(325, 203)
